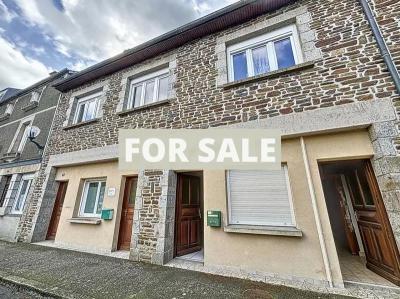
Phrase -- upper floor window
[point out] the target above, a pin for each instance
(21, 137)
(87, 108)
(92, 198)
(260, 198)
(35, 96)
(265, 53)
(9, 108)
(148, 89)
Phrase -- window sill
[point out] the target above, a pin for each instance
(77, 125)
(270, 75)
(9, 157)
(264, 230)
(144, 107)
(4, 116)
(30, 106)
(91, 221)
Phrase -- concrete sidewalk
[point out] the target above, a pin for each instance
(69, 274)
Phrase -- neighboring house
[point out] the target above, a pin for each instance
(309, 68)
(20, 159)
(7, 93)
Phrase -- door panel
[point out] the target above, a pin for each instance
(188, 229)
(377, 237)
(128, 207)
(57, 209)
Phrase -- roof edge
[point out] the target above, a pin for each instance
(167, 40)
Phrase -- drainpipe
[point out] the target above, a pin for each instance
(324, 251)
(381, 43)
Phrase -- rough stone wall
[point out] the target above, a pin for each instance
(153, 225)
(350, 70)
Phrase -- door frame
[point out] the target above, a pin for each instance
(380, 207)
(178, 206)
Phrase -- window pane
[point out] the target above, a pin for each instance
(5, 184)
(91, 198)
(91, 110)
(137, 95)
(148, 97)
(101, 197)
(239, 66)
(21, 198)
(284, 53)
(132, 196)
(163, 89)
(80, 113)
(260, 61)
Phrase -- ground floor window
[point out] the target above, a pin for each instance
(92, 198)
(260, 198)
(4, 186)
(22, 193)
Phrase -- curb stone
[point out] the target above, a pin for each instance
(34, 286)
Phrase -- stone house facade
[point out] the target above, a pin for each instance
(20, 159)
(334, 102)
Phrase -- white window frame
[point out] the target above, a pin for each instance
(85, 100)
(25, 177)
(143, 80)
(9, 109)
(24, 137)
(267, 40)
(290, 198)
(84, 198)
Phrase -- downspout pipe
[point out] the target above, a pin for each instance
(381, 43)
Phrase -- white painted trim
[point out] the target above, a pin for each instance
(143, 81)
(85, 100)
(311, 189)
(32, 115)
(266, 40)
(26, 177)
(23, 121)
(84, 198)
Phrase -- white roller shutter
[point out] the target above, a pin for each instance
(260, 198)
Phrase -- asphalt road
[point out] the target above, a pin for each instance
(84, 276)
(13, 292)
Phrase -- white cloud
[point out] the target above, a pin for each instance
(5, 13)
(17, 70)
(98, 29)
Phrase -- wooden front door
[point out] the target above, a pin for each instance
(128, 206)
(376, 233)
(378, 240)
(188, 218)
(57, 209)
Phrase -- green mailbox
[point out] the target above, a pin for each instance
(214, 218)
(107, 214)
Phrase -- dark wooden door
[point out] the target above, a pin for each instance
(57, 209)
(188, 219)
(380, 247)
(128, 206)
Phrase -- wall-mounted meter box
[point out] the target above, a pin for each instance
(214, 218)
(107, 214)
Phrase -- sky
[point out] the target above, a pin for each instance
(41, 36)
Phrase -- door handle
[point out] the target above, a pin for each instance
(199, 213)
